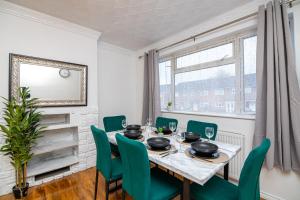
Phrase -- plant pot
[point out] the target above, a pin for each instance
(20, 192)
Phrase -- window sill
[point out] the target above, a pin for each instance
(233, 116)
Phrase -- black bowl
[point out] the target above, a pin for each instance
(133, 127)
(133, 134)
(204, 148)
(158, 142)
(191, 137)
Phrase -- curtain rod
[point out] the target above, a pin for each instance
(193, 37)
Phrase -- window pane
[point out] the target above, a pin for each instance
(207, 55)
(206, 90)
(165, 83)
(250, 74)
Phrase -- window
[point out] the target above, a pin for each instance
(249, 61)
(198, 82)
(165, 83)
(203, 93)
(219, 92)
(218, 77)
(207, 55)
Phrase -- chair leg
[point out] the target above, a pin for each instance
(106, 190)
(96, 185)
(116, 192)
(123, 194)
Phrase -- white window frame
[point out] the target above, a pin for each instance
(237, 59)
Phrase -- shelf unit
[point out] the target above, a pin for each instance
(51, 165)
(57, 148)
(53, 147)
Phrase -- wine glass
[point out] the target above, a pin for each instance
(124, 124)
(149, 122)
(172, 126)
(148, 126)
(209, 132)
(180, 137)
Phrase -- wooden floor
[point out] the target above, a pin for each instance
(76, 186)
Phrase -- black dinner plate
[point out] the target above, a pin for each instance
(204, 149)
(158, 142)
(133, 127)
(163, 149)
(193, 153)
(133, 134)
(191, 137)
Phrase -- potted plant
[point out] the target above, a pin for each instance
(169, 106)
(21, 130)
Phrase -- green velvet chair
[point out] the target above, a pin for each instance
(248, 188)
(199, 128)
(111, 169)
(139, 181)
(113, 123)
(164, 122)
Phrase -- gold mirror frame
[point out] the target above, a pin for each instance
(14, 78)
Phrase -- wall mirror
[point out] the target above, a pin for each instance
(55, 83)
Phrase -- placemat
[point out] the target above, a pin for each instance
(223, 157)
(158, 152)
(186, 142)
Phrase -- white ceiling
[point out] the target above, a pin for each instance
(133, 24)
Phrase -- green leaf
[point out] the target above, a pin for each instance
(22, 127)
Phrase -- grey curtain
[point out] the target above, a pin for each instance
(151, 95)
(278, 95)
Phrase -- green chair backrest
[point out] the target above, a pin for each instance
(136, 166)
(162, 122)
(249, 178)
(103, 162)
(113, 123)
(199, 128)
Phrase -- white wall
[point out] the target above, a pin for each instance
(27, 32)
(117, 82)
(274, 184)
(33, 37)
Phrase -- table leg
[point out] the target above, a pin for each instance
(226, 170)
(186, 189)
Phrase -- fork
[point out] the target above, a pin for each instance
(169, 153)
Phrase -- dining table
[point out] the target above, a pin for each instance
(192, 170)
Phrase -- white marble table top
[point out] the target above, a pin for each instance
(195, 170)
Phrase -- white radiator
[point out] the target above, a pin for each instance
(236, 164)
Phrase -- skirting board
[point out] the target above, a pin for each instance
(268, 196)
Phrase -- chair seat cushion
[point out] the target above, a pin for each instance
(216, 188)
(163, 185)
(117, 170)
